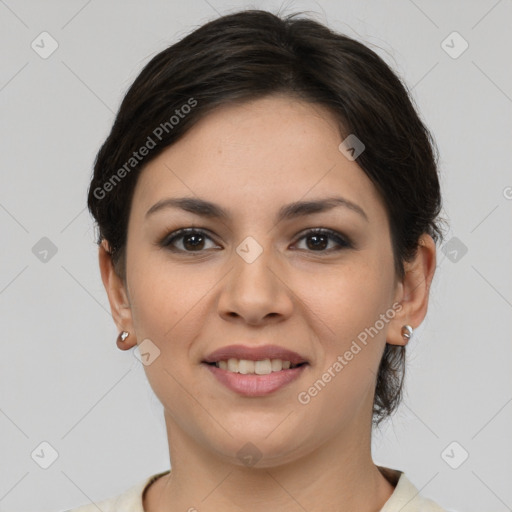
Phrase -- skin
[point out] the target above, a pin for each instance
(252, 159)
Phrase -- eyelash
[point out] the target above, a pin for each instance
(168, 240)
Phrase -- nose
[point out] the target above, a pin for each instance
(256, 292)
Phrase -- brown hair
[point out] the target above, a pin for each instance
(252, 54)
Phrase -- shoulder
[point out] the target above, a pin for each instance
(130, 500)
(406, 497)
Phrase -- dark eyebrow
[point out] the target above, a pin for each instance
(207, 209)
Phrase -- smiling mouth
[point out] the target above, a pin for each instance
(250, 367)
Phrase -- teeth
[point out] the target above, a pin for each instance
(276, 365)
(233, 365)
(245, 366)
(263, 367)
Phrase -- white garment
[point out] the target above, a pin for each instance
(405, 497)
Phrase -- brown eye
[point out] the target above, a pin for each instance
(187, 240)
(318, 240)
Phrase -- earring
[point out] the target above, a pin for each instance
(123, 335)
(407, 332)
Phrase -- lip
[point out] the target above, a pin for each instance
(255, 385)
(255, 354)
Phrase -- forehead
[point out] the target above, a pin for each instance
(256, 154)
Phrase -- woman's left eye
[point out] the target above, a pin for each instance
(319, 240)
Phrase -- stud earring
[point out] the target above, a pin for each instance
(123, 335)
(407, 331)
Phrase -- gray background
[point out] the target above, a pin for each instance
(62, 379)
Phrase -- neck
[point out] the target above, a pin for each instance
(336, 475)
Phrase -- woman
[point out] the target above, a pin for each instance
(267, 204)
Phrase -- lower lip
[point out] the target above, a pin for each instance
(256, 385)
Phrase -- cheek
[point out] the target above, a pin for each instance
(347, 307)
(166, 298)
(346, 317)
(169, 308)
(349, 298)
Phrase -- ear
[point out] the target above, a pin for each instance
(117, 296)
(413, 291)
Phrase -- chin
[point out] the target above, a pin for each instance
(262, 447)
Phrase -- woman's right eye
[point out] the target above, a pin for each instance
(190, 240)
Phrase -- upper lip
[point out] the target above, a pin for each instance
(254, 354)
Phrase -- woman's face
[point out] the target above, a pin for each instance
(256, 277)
